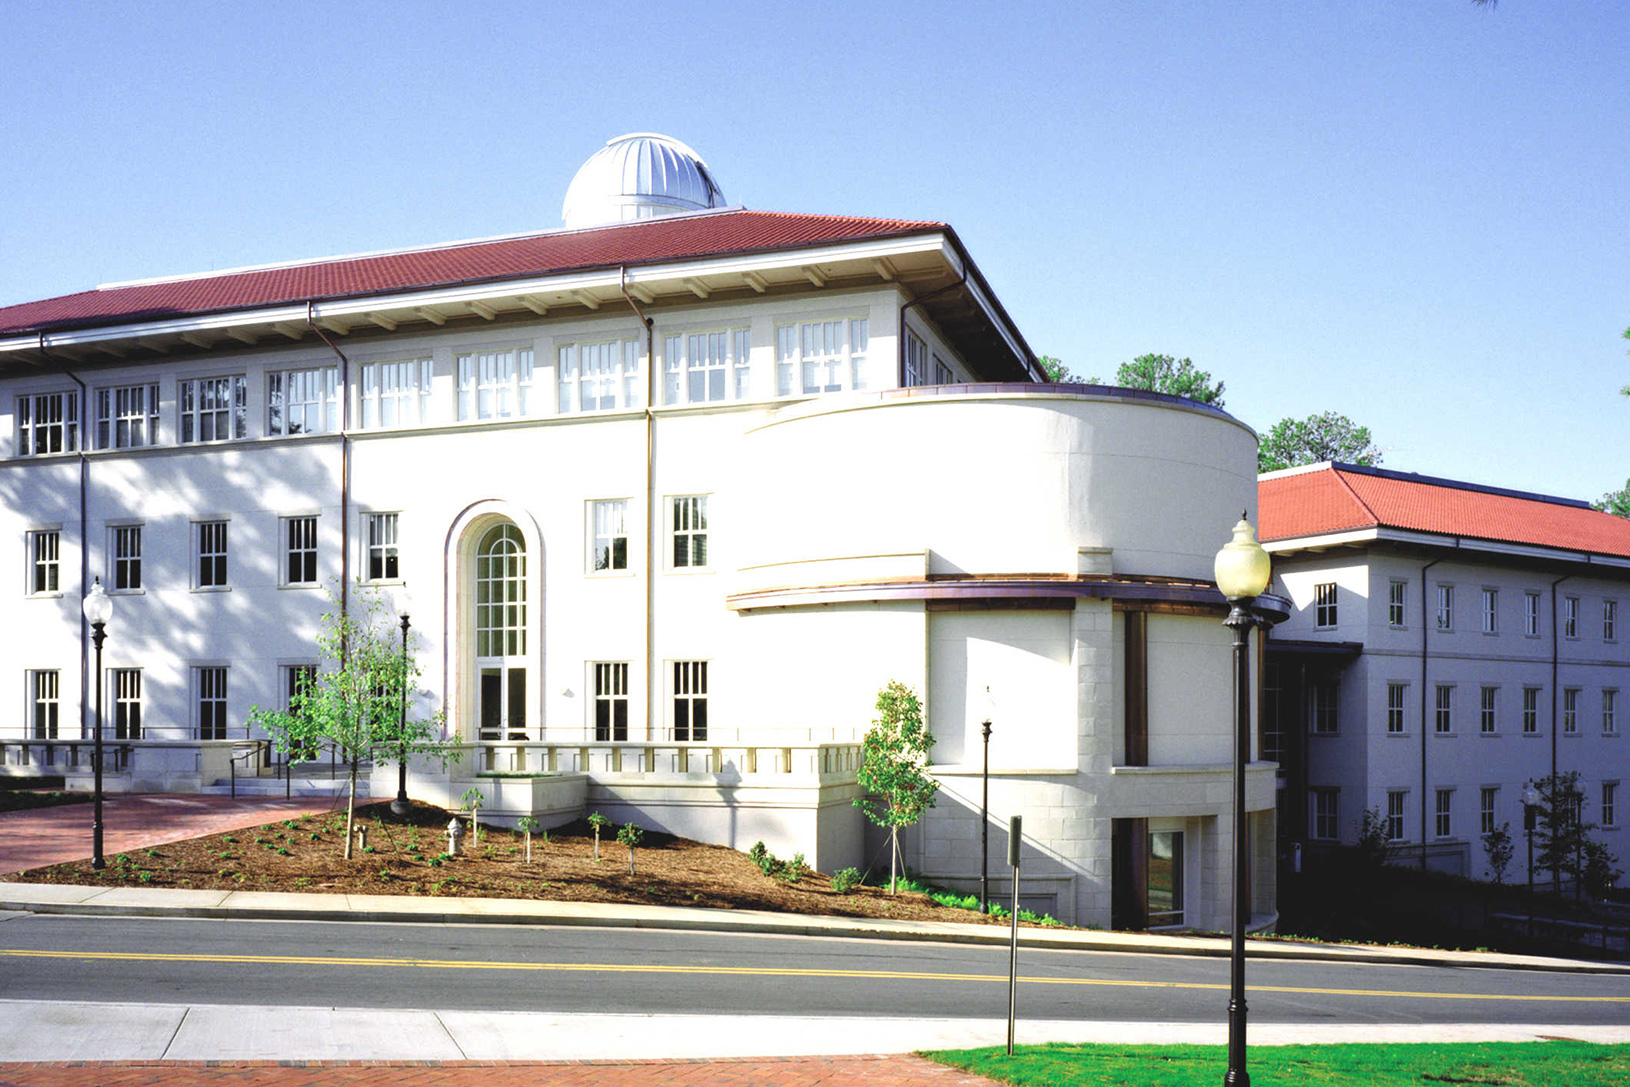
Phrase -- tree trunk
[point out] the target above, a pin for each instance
(894, 856)
(630, 860)
(351, 811)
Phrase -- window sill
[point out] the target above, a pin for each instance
(608, 574)
(45, 596)
(128, 592)
(211, 589)
(306, 586)
(688, 571)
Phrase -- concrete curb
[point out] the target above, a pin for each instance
(398, 909)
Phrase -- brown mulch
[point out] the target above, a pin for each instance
(405, 856)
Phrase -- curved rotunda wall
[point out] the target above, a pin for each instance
(999, 483)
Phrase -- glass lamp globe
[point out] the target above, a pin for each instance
(1242, 566)
(98, 605)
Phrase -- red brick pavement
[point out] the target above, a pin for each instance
(894, 1071)
(29, 839)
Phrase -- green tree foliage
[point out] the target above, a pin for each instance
(598, 821)
(1563, 845)
(1326, 436)
(1616, 502)
(1499, 848)
(630, 834)
(1164, 374)
(1056, 371)
(355, 700)
(894, 766)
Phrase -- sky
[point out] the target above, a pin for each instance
(1413, 212)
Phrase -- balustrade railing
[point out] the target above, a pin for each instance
(659, 758)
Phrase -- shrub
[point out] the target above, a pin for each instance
(845, 880)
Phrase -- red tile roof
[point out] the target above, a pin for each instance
(644, 242)
(1341, 497)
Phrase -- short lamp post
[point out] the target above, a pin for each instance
(400, 805)
(98, 607)
(984, 822)
(1243, 572)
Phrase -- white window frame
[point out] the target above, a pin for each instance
(302, 401)
(210, 687)
(1487, 797)
(1530, 615)
(61, 427)
(1446, 608)
(1610, 620)
(1530, 711)
(496, 383)
(127, 416)
(125, 699)
(1570, 617)
(942, 372)
(806, 348)
(1324, 605)
(395, 394)
(1570, 711)
(688, 693)
(1610, 711)
(124, 558)
(44, 562)
(211, 545)
(1325, 706)
(290, 673)
(608, 524)
(1491, 611)
(1326, 813)
(1397, 818)
(299, 537)
(609, 683)
(1609, 804)
(711, 366)
(1397, 591)
(688, 529)
(598, 375)
(1397, 700)
(914, 361)
(1443, 806)
(198, 400)
(1443, 709)
(381, 540)
(1488, 710)
(44, 703)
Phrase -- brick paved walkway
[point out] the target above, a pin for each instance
(894, 1071)
(29, 839)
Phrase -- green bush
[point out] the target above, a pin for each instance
(845, 880)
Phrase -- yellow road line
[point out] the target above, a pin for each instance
(761, 971)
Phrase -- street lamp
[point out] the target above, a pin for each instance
(400, 805)
(1530, 812)
(984, 810)
(1243, 572)
(98, 607)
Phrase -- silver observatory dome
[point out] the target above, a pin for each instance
(639, 176)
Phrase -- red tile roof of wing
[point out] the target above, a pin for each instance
(1340, 497)
(648, 241)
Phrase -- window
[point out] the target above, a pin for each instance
(823, 356)
(300, 551)
(47, 423)
(396, 394)
(1444, 705)
(302, 402)
(44, 548)
(1610, 701)
(690, 532)
(1326, 813)
(1530, 614)
(496, 385)
(690, 700)
(1570, 709)
(710, 366)
(383, 558)
(1485, 808)
(1324, 692)
(916, 361)
(1610, 805)
(126, 683)
(1486, 722)
(44, 687)
(214, 409)
(211, 538)
(127, 557)
(127, 417)
(1610, 620)
(1395, 815)
(1446, 607)
(297, 680)
(1570, 617)
(1530, 710)
(611, 702)
(942, 372)
(601, 376)
(1324, 597)
(1395, 603)
(1165, 882)
(500, 595)
(209, 690)
(1491, 611)
(1396, 694)
(610, 534)
(1444, 825)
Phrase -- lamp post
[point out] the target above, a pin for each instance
(1530, 812)
(98, 608)
(399, 806)
(984, 821)
(1242, 571)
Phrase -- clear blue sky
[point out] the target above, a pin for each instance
(1416, 212)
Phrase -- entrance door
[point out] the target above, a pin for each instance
(500, 633)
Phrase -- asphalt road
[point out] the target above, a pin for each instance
(542, 969)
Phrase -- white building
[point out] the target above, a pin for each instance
(677, 489)
(1448, 644)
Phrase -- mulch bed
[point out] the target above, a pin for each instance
(404, 857)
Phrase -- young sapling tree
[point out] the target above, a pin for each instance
(598, 821)
(894, 765)
(471, 801)
(527, 825)
(630, 836)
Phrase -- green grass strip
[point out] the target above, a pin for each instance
(1497, 1064)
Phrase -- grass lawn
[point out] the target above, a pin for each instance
(1503, 1064)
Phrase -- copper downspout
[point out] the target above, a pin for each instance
(650, 501)
(900, 361)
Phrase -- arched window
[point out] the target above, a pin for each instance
(500, 632)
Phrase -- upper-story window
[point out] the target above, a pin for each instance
(942, 372)
(210, 554)
(47, 423)
(600, 376)
(1446, 607)
(383, 558)
(213, 409)
(1570, 617)
(496, 385)
(916, 361)
(302, 401)
(127, 557)
(1395, 602)
(300, 550)
(127, 417)
(609, 530)
(1610, 620)
(1491, 611)
(43, 561)
(701, 367)
(1324, 598)
(396, 394)
(689, 514)
(821, 357)
(1530, 614)
(1324, 694)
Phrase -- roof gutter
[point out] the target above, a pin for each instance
(650, 501)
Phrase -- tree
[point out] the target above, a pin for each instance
(1056, 371)
(1326, 436)
(630, 835)
(894, 765)
(1164, 374)
(1563, 844)
(1616, 502)
(354, 702)
(1497, 844)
